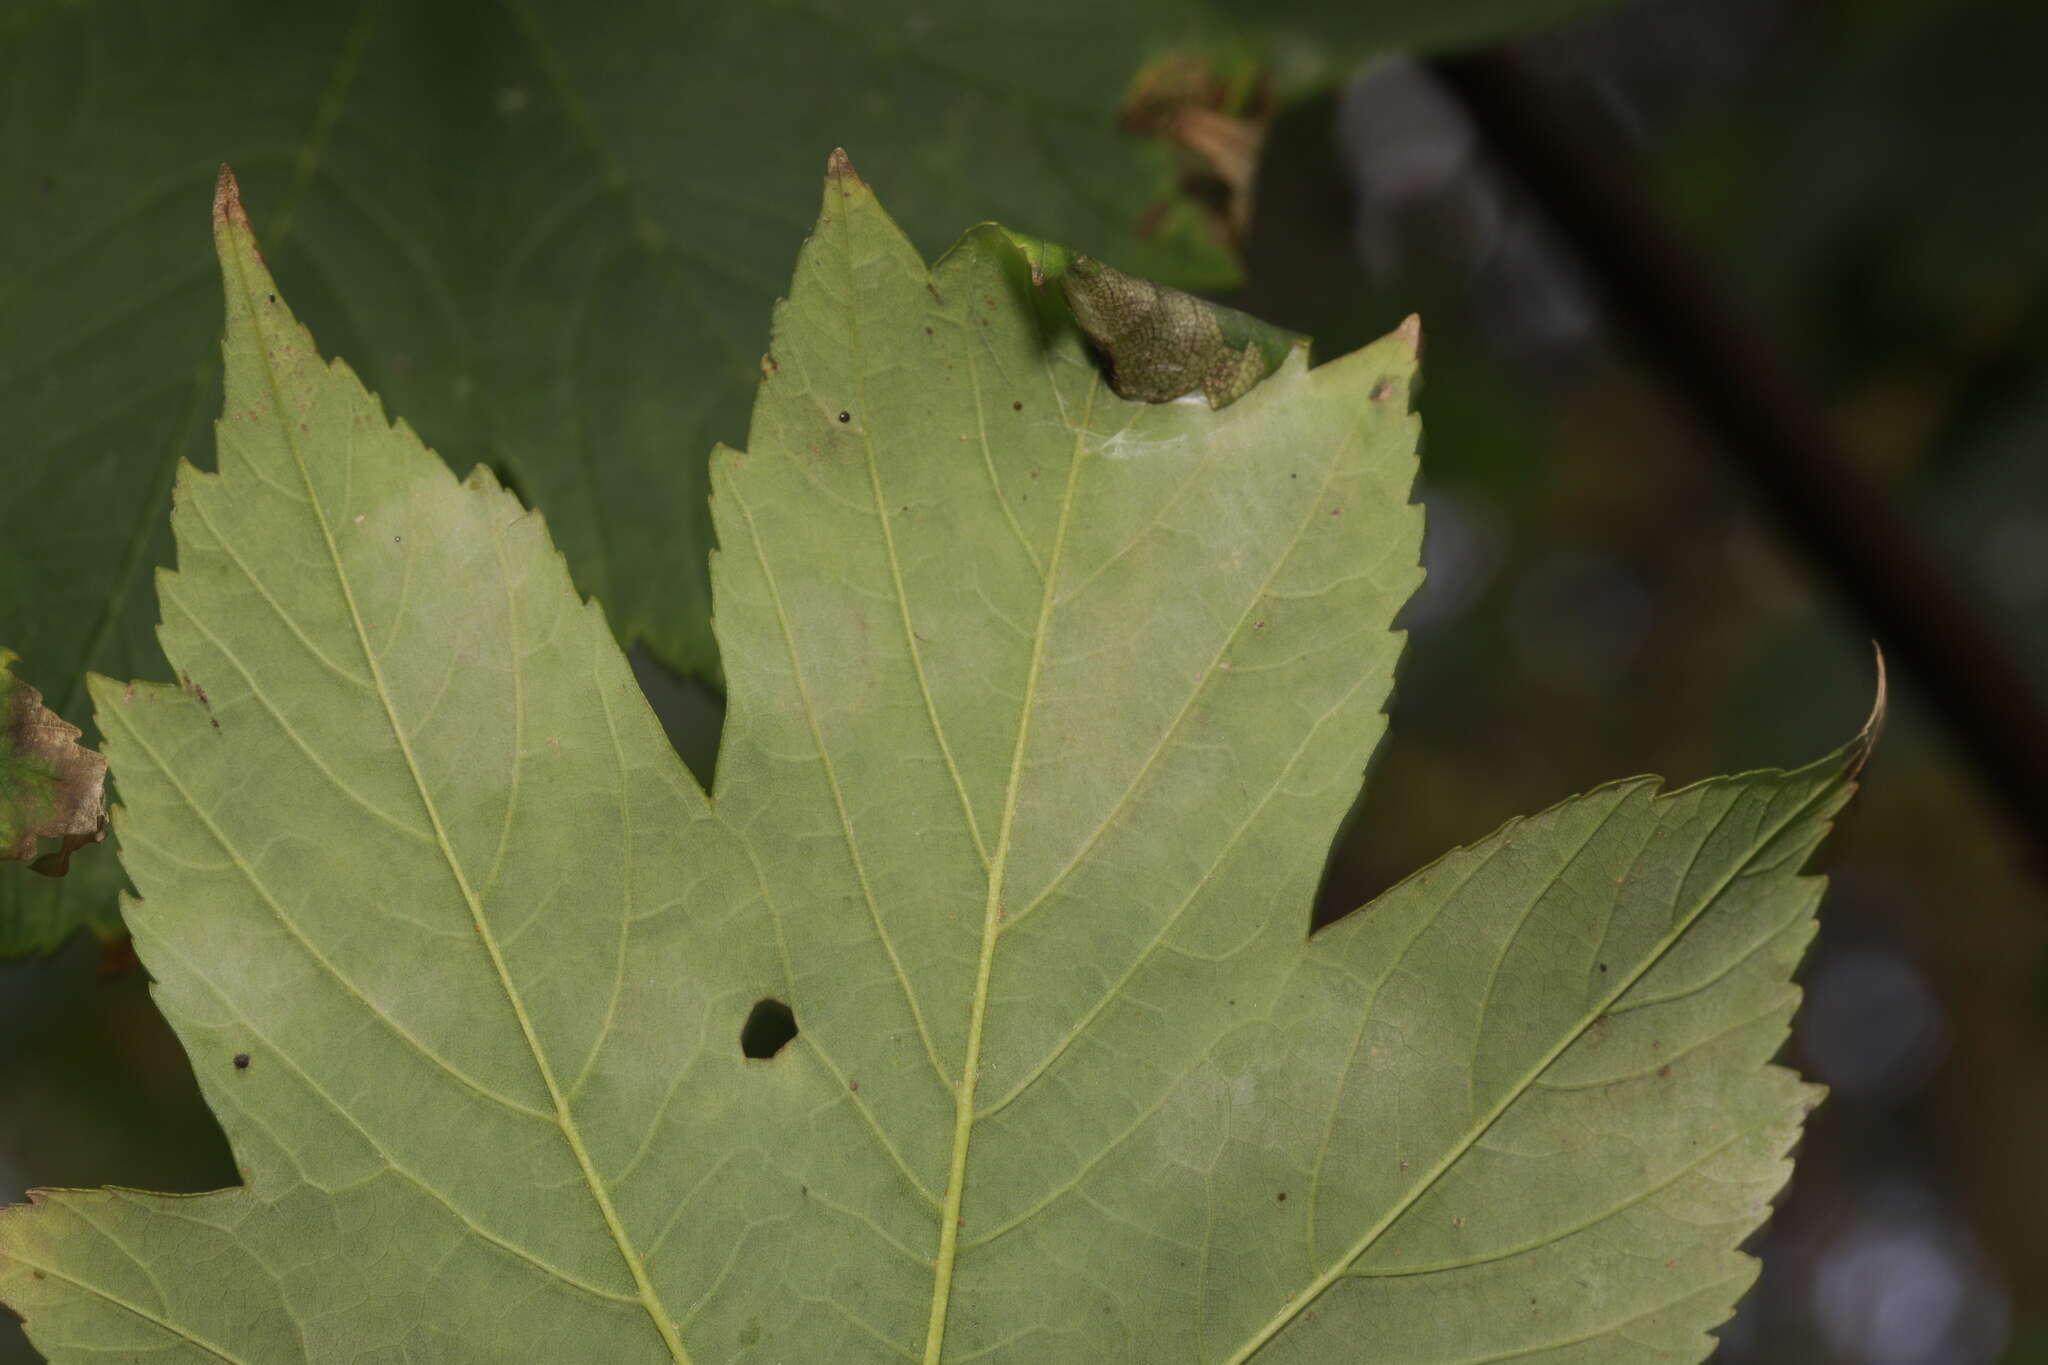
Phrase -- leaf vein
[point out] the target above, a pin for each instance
(565, 1120)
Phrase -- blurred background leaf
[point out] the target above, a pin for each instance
(548, 239)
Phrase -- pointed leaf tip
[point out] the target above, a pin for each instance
(227, 200)
(1859, 749)
(840, 167)
(1409, 333)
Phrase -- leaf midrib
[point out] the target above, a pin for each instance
(1340, 1264)
(991, 921)
(565, 1119)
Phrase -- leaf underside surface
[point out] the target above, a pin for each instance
(550, 242)
(1044, 707)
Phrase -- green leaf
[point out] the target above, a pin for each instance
(1044, 706)
(52, 803)
(550, 241)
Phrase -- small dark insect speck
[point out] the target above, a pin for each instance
(273, 298)
(1603, 966)
(846, 417)
(1017, 406)
(1280, 1197)
(241, 1061)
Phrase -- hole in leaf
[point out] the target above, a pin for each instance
(769, 1027)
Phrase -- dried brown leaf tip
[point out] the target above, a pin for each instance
(1214, 109)
(227, 200)
(50, 788)
(1860, 748)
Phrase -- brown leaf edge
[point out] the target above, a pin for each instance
(35, 737)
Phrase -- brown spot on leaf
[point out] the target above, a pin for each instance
(50, 788)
